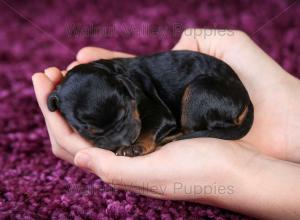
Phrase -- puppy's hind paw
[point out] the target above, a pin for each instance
(130, 151)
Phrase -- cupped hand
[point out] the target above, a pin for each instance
(199, 161)
(274, 92)
(65, 142)
(170, 172)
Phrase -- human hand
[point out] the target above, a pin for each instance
(193, 162)
(273, 133)
(210, 171)
(129, 173)
(273, 91)
(65, 142)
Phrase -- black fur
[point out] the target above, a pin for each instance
(182, 93)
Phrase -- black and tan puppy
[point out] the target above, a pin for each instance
(132, 105)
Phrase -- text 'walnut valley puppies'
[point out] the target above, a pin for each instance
(132, 105)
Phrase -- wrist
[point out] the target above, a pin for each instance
(263, 187)
(231, 174)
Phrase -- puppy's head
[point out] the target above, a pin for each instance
(99, 104)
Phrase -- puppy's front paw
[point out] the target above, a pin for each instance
(130, 151)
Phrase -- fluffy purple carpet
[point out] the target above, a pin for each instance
(36, 185)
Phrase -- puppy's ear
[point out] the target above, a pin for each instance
(53, 102)
(128, 85)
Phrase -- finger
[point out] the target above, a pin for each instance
(62, 154)
(54, 75)
(116, 169)
(237, 50)
(57, 150)
(64, 73)
(73, 64)
(240, 52)
(88, 54)
(123, 173)
(186, 43)
(213, 42)
(62, 132)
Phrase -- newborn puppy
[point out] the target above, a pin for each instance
(132, 105)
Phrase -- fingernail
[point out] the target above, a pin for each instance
(82, 160)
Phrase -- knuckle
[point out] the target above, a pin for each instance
(240, 35)
(187, 32)
(62, 140)
(56, 150)
(102, 171)
(107, 174)
(81, 53)
(84, 49)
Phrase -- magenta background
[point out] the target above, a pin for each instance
(36, 185)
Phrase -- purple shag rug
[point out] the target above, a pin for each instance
(38, 34)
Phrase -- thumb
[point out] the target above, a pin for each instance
(114, 169)
(89, 54)
(186, 43)
(94, 160)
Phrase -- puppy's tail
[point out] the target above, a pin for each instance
(232, 133)
(53, 102)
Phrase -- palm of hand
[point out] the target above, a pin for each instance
(275, 129)
(273, 92)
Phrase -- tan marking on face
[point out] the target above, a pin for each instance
(239, 120)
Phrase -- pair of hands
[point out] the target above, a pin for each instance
(171, 171)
